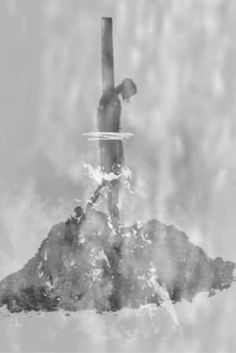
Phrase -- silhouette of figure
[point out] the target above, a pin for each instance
(111, 151)
(108, 120)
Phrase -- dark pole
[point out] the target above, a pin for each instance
(107, 55)
(108, 149)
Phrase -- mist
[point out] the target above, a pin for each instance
(181, 54)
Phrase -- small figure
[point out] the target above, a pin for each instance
(73, 223)
(78, 212)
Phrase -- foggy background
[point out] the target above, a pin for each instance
(182, 56)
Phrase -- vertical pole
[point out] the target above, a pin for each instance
(107, 55)
(108, 148)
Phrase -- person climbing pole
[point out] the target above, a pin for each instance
(108, 120)
(111, 150)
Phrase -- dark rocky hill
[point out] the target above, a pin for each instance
(83, 264)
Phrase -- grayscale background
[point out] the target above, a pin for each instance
(182, 55)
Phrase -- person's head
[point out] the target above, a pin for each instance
(127, 89)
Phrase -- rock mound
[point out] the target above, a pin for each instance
(84, 264)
